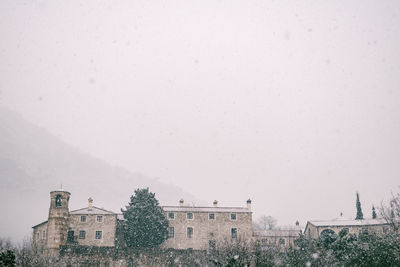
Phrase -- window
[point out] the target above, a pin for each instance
(211, 216)
(211, 245)
(234, 232)
(70, 236)
(38, 236)
(189, 232)
(171, 232)
(189, 216)
(58, 200)
(281, 241)
(99, 234)
(233, 216)
(99, 218)
(82, 234)
(171, 216)
(83, 218)
(44, 234)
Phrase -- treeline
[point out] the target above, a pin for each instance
(366, 249)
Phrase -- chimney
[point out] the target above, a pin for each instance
(90, 201)
(181, 202)
(248, 204)
(215, 203)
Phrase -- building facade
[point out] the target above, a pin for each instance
(89, 226)
(316, 229)
(281, 238)
(190, 227)
(206, 228)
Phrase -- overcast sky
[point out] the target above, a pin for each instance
(294, 104)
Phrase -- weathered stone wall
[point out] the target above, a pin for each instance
(91, 225)
(57, 225)
(315, 232)
(39, 237)
(110, 256)
(205, 229)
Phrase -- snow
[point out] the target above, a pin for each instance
(347, 222)
(206, 209)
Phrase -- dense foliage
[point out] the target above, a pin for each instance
(145, 225)
(7, 258)
(346, 250)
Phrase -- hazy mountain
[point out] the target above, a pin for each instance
(33, 162)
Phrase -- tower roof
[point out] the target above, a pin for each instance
(60, 190)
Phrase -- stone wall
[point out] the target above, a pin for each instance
(205, 230)
(90, 226)
(39, 238)
(315, 231)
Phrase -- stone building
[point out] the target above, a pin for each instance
(190, 227)
(282, 238)
(90, 226)
(315, 229)
(204, 228)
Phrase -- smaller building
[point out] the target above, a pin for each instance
(316, 229)
(277, 237)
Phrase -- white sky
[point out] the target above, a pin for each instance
(294, 104)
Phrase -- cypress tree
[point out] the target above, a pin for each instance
(373, 212)
(359, 215)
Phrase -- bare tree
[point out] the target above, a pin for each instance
(265, 223)
(391, 211)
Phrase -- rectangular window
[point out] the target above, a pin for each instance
(82, 234)
(83, 218)
(233, 216)
(189, 232)
(44, 234)
(99, 234)
(189, 216)
(234, 232)
(171, 232)
(171, 215)
(70, 236)
(211, 245)
(38, 236)
(211, 216)
(99, 218)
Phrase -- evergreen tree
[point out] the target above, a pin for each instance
(145, 225)
(373, 212)
(359, 215)
(7, 258)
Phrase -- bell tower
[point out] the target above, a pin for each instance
(57, 226)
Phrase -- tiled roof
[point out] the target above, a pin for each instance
(277, 233)
(344, 222)
(93, 210)
(206, 209)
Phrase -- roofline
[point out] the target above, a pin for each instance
(60, 190)
(330, 225)
(37, 225)
(94, 207)
(205, 207)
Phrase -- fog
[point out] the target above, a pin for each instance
(292, 104)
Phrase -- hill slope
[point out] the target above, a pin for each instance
(33, 162)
